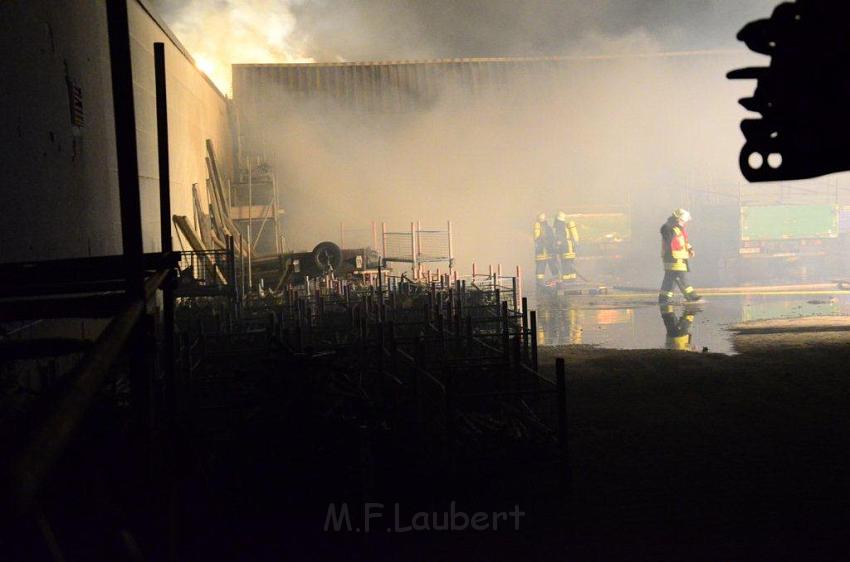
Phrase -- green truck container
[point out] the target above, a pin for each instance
(789, 222)
(602, 228)
(788, 242)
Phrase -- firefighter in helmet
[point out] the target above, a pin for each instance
(566, 237)
(676, 252)
(544, 249)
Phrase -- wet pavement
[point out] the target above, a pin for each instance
(637, 322)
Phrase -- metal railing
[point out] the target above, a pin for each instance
(418, 245)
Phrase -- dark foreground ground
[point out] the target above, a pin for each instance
(704, 456)
(673, 456)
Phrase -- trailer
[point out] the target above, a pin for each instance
(605, 239)
(788, 241)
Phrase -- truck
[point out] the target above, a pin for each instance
(781, 242)
(605, 241)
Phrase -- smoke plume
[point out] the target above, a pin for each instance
(222, 32)
(219, 33)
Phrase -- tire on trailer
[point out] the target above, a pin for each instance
(327, 256)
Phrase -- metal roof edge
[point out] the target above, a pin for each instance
(145, 5)
(555, 58)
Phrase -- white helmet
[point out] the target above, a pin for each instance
(682, 215)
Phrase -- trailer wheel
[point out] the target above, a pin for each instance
(327, 256)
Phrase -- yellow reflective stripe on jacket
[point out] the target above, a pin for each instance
(538, 230)
(677, 265)
(572, 229)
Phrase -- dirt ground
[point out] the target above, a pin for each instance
(746, 454)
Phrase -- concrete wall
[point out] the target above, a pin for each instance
(59, 190)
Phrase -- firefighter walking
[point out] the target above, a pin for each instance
(544, 249)
(566, 237)
(676, 252)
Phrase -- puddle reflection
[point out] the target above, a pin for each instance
(605, 322)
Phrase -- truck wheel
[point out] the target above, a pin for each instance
(327, 256)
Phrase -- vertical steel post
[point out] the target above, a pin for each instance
(162, 147)
(126, 148)
(130, 208)
(231, 256)
(519, 283)
(165, 230)
(451, 247)
(525, 338)
(250, 220)
(277, 236)
(534, 363)
(383, 241)
(418, 238)
(413, 249)
(565, 472)
(505, 330)
(381, 311)
(241, 267)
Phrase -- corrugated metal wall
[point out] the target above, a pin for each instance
(381, 86)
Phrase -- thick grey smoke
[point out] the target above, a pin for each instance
(647, 134)
(622, 134)
(376, 29)
(221, 32)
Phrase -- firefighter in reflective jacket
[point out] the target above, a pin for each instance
(544, 249)
(678, 329)
(676, 252)
(566, 237)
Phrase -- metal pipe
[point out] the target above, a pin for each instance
(34, 464)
